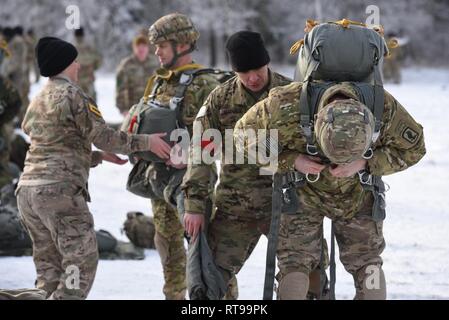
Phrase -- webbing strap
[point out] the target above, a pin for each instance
(273, 238)
(305, 120)
(185, 80)
(378, 101)
(148, 88)
(322, 266)
(332, 267)
(376, 186)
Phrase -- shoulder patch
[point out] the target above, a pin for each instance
(94, 110)
(410, 135)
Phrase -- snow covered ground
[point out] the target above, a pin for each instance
(416, 228)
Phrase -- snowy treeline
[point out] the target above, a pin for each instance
(111, 24)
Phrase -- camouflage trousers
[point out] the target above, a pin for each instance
(61, 228)
(360, 241)
(169, 242)
(232, 239)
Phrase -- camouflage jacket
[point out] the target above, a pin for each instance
(62, 123)
(241, 190)
(400, 145)
(14, 68)
(9, 101)
(9, 107)
(132, 77)
(90, 60)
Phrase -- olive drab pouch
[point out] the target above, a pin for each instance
(150, 116)
(140, 230)
(138, 181)
(106, 241)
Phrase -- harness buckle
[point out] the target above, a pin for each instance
(365, 178)
(185, 79)
(309, 179)
(175, 101)
(311, 149)
(368, 154)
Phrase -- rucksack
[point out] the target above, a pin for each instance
(109, 248)
(335, 52)
(140, 230)
(138, 181)
(149, 117)
(14, 240)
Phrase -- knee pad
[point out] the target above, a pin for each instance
(294, 286)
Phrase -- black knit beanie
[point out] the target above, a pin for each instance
(54, 55)
(246, 51)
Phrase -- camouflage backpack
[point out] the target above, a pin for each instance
(140, 230)
(334, 52)
(150, 116)
(109, 248)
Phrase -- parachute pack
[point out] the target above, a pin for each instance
(148, 117)
(331, 53)
(340, 51)
(140, 230)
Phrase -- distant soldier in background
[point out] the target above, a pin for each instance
(31, 57)
(10, 104)
(90, 60)
(392, 63)
(132, 74)
(63, 123)
(14, 68)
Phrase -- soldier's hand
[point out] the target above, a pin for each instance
(348, 170)
(309, 164)
(159, 146)
(110, 157)
(178, 157)
(193, 223)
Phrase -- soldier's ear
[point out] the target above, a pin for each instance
(182, 47)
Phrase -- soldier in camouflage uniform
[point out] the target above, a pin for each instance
(14, 68)
(90, 60)
(242, 197)
(174, 36)
(343, 133)
(392, 63)
(10, 104)
(132, 75)
(31, 57)
(63, 122)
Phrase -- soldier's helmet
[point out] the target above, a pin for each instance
(344, 130)
(173, 27)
